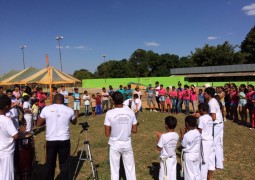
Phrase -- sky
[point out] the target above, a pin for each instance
(114, 28)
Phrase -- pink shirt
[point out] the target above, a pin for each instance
(173, 94)
(186, 94)
(180, 94)
(193, 95)
(41, 97)
(17, 94)
(249, 97)
(162, 92)
(233, 96)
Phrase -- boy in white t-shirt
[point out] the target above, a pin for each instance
(28, 114)
(205, 127)
(86, 100)
(166, 145)
(191, 144)
(137, 105)
(8, 133)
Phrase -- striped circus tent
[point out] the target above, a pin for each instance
(50, 75)
(15, 77)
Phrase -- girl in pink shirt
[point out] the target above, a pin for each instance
(168, 101)
(249, 95)
(179, 100)
(193, 97)
(162, 100)
(233, 103)
(173, 97)
(186, 98)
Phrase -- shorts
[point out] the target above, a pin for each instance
(35, 117)
(76, 105)
(242, 104)
(151, 100)
(157, 99)
(233, 105)
(93, 109)
(227, 103)
(162, 98)
(168, 101)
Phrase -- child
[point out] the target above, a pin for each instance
(136, 105)
(193, 98)
(8, 133)
(168, 101)
(191, 144)
(28, 114)
(98, 104)
(205, 127)
(86, 100)
(200, 97)
(35, 110)
(93, 104)
(166, 145)
(151, 98)
(13, 113)
(77, 101)
(186, 98)
(173, 97)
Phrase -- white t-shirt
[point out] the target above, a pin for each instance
(7, 131)
(105, 94)
(157, 90)
(27, 105)
(126, 103)
(57, 117)
(168, 142)
(205, 123)
(64, 93)
(13, 114)
(192, 142)
(139, 102)
(139, 93)
(121, 121)
(87, 99)
(214, 107)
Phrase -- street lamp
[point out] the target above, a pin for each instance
(104, 69)
(22, 49)
(58, 38)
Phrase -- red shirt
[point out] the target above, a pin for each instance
(173, 94)
(41, 97)
(186, 94)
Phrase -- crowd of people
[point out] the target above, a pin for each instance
(201, 139)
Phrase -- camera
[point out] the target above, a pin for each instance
(84, 125)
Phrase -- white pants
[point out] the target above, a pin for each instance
(218, 145)
(6, 166)
(208, 153)
(29, 122)
(170, 168)
(192, 163)
(128, 161)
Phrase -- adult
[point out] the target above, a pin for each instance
(65, 94)
(110, 92)
(1, 90)
(186, 98)
(162, 99)
(121, 90)
(119, 123)
(193, 98)
(57, 118)
(250, 105)
(157, 88)
(215, 112)
(105, 99)
(151, 98)
(129, 91)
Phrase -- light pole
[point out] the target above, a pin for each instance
(104, 69)
(58, 38)
(22, 49)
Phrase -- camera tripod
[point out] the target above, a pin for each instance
(85, 155)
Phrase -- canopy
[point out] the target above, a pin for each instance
(50, 75)
(15, 77)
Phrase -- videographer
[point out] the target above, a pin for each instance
(119, 123)
(57, 118)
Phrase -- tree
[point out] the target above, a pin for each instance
(223, 54)
(248, 46)
(83, 74)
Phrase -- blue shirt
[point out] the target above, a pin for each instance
(201, 98)
(76, 95)
(129, 93)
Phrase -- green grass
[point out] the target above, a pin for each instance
(238, 148)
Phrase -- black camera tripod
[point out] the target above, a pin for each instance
(85, 155)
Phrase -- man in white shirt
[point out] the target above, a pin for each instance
(216, 114)
(105, 99)
(65, 94)
(8, 133)
(57, 118)
(119, 123)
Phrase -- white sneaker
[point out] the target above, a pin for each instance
(155, 110)
(150, 110)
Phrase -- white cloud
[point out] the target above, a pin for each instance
(79, 47)
(60, 47)
(151, 44)
(249, 10)
(212, 38)
(67, 47)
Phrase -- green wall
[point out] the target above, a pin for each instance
(115, 82)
